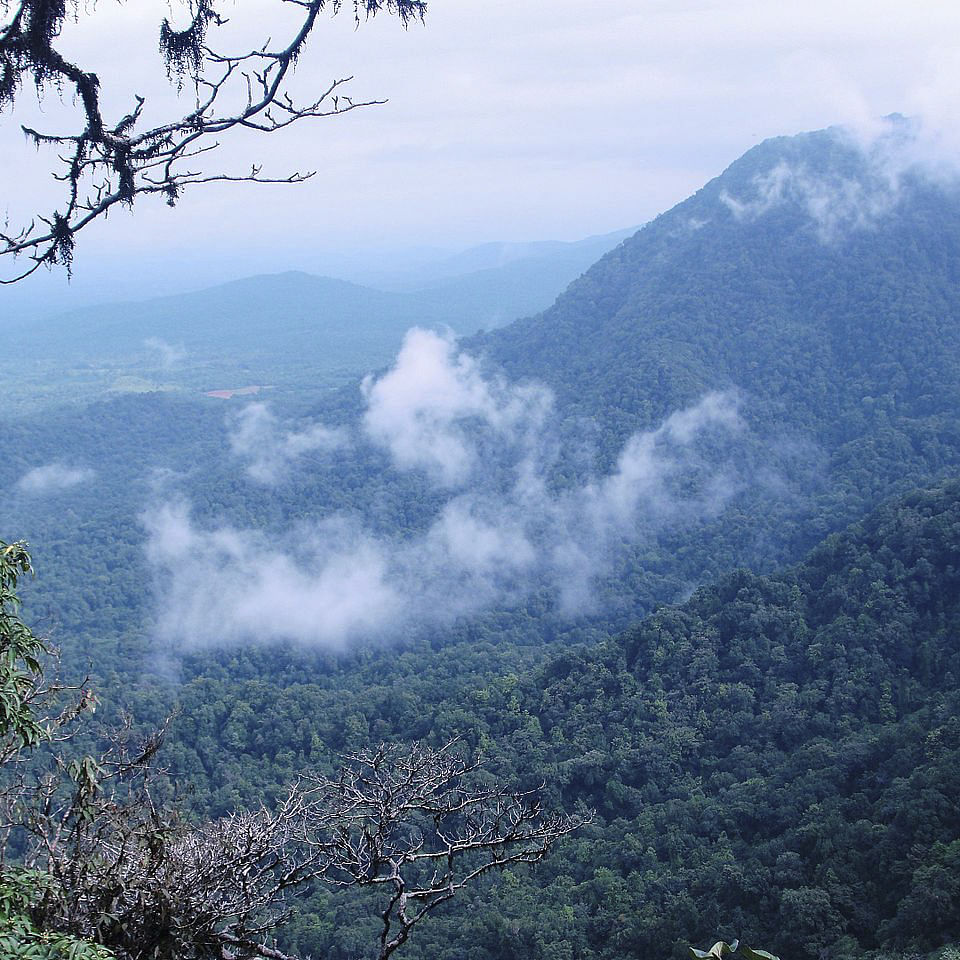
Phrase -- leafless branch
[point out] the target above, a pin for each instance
(414, 822)
(111, 162)
(125, 872)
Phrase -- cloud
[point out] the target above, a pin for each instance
(170, 355)
(889, 152)
(52, 478)
(834, 203)
(649, 458)
(661, 478)
(430, 409)
(501, 531)
(227, 585)
(256, 436)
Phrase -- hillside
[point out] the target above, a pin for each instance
(291, 330)
(799, 275)
(777, 758)
(817, 280)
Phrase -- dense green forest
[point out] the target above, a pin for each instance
(777, 758)
(771, 752)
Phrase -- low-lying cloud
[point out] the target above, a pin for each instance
(834, 203)
(502, 529)
(52, 478)
(888, 153)
(429, 408)
(257, 437)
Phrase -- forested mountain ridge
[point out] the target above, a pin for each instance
(757, 282)
(777, 758)
(816, 278)
(834, 325)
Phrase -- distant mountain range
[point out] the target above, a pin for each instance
(535, 257)
(284, 327)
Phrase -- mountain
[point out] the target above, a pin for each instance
(816, 279)
(531, 257)
(269, 316)
(287, 329)
(797, 276)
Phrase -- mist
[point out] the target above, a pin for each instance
(257, 437)
(896, 151)
(168, 354)
(52, 478)
(503, 527)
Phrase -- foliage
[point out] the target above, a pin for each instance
(109, 865)
(20, 656)
(776, 756)
(22, 693)
(19, 937)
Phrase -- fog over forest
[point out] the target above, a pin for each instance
(525, 525)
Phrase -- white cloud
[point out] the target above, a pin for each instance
(889, 152)
(51, 478)
(226, 585)
(648, 458)
(256, 436)
(834, 204)
(499, 534)
(428, 409)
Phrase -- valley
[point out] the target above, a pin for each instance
(666, 523)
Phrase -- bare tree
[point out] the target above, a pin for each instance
(112, 160)
(414, 822)
(118, 869)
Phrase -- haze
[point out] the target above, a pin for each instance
(505, 121)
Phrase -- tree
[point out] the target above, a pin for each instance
(107, 870)
(108, 161)
(415, 823)
(26, 722)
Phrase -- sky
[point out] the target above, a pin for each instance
(519, 120)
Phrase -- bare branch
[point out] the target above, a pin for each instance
(108, 163)
(413, 821)
(404, 820)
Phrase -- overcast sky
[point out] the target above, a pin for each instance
(507, 120)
